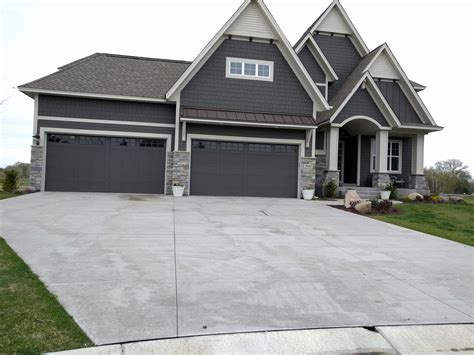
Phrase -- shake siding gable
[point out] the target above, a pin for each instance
(361, 104)
(341, 54)
(210, 88)
(314, 70)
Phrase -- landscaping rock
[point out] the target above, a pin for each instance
(364, 207)
(414, 196)
(456, 199)
(350, 197)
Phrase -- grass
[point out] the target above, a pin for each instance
(31, 318)
(450, 221)
(4, 195)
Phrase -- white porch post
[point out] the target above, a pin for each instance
(332, 148)
(381, 148)
(417, 153)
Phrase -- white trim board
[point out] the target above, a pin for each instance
(319, 57)
(244, 123)
(191, 136)
(95, 121)
(94, 96)
(361, 117)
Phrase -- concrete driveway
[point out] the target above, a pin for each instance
(134, 267)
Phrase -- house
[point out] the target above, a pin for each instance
(252, 115)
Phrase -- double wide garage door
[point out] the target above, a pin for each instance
(105, 164)
(243, 169)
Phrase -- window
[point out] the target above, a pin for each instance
(61, 138)
(230, 146)
(394, 156)
(320, 143)
(260, 148)
(249, 69)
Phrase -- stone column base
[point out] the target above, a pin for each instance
(178, 171)
(307, 173)
(380, 180)
(36, 172)
(419, 183)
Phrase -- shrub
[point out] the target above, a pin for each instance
(10, 184)
(374, 203)
(330, 189)
(384, 206)
(393, 191)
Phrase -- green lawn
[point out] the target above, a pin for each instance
(4, 195)
(31, 319)
(450, 221)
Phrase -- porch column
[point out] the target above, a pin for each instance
(417, 179)
(332, 148)
(381, 149)
(417, 152)
(380, 178)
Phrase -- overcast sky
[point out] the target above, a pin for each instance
(432, 40)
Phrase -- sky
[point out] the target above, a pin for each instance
(432, 40)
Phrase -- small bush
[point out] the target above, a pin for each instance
(393, 191)
(330, 189)
(10, 184)
(384, 206)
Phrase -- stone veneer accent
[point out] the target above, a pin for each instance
(419, 183)
(308, 171)
(380, 180)
(36, 161)
(177, 170)
(323, 176)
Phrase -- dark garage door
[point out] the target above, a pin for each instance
(105, 164)
(243, 169)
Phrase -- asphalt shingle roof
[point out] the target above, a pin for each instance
(112, 74)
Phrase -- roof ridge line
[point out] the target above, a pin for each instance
(145, 58)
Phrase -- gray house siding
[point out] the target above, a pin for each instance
(366, 176)
(210, 88)
(341, 54)
(105, 127)
(75, 107)
(240, 131)
(361, 103)
(398, 102)
(314, 70)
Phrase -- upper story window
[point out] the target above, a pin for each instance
(239, 68)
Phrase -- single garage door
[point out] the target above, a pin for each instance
(243, 169)
(105, 164)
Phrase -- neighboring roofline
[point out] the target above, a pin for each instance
(407, 82)
(322, 60)
(310, 86)
(29, 91)
(359, 44)
(389, 115)
(245, 123)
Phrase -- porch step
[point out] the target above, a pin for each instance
(365, 193)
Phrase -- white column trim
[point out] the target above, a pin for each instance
(35, 116)
(313, 143)
(417, 154)
(333, 142)
(381, 146)
(176, 129)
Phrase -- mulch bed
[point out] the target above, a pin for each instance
(391, 211)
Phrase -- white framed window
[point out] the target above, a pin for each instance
(239, 68)
(394, 156)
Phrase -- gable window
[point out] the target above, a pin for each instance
(394, 156)
(239, 68)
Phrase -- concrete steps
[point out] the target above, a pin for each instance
(365, 193)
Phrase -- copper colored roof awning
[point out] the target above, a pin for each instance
(250, 118)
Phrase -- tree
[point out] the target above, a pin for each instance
(449, 176)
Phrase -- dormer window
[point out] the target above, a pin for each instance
(238, 68)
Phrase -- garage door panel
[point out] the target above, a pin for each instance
(106, 164)
(243, 169)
